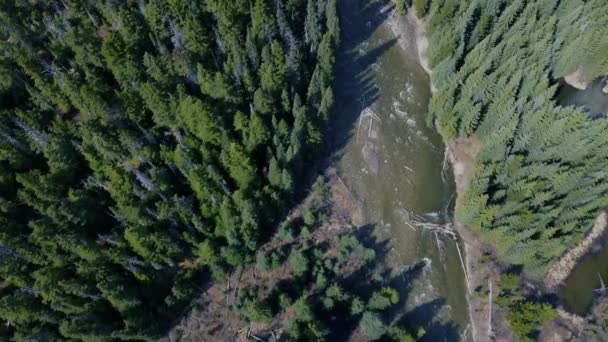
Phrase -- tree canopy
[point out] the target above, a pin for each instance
(539, 179)
(147, 144)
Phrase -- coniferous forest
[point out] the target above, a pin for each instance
(540, 176)
(147, 144)
(151, 146)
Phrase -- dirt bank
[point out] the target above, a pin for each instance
(560, 271)
(576, 80)
(488, 321)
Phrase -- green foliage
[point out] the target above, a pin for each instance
(298, 261)
(383, 298)
(145, 144)
(537, 183)
(349, 245)
(372, 326)
(526, 317)
(256, 311)
(420, 7)
(309, 217)
(286, 232)
(357, 306)
(401, 6)
(323, 284)
(397, 334)
(263, 261)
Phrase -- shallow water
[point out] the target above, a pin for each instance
(592, 98)
(577, 293)
(392, 162)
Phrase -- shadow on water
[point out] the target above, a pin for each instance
(421, 316)
(355, 85)
(401, 280)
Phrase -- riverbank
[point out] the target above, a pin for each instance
(485, 320)
(560, 271)
(400, 25)
(488, 320)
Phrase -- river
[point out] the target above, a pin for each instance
(392, 162)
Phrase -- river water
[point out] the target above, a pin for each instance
(392, 162)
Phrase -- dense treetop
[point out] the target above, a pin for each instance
(145, 143)
(540, 177)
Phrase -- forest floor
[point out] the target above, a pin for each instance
(212, 316)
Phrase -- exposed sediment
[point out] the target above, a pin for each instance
(576, 80)
(560, 271)
(404, 27)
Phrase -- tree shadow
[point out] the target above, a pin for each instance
(424, 316)
(354, 85)
(355, 88)
(402, 281)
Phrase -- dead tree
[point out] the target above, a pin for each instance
(445, 229)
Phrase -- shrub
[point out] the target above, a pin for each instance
(321, 280)
(336, 293)
(525, 317)
(309, 217)
(371, 325)
(328, 303)
(286, 233)
(420, 7)
(257, 311)
(263, 261)
(349, 245)
(398, 334)
(383, 298)
(298, 262)
(277, 257)
(284, 301)
(320, 187)
(356, 306)
(303, 311)
(401, 6)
